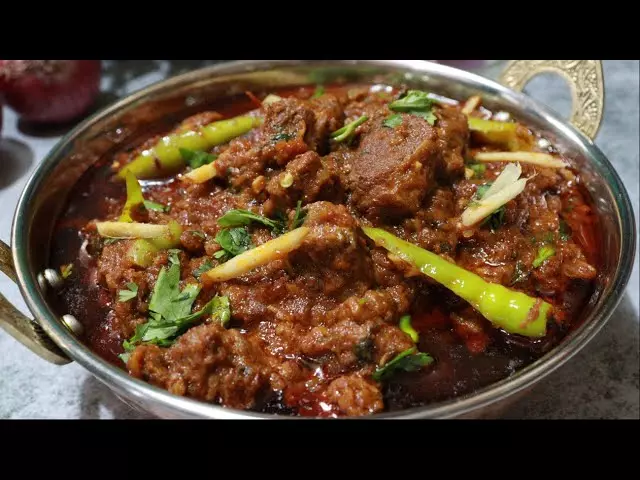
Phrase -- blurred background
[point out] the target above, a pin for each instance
(41, 100)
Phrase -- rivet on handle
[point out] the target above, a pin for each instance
(72, 324)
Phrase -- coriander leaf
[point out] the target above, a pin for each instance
(205, 267)
(199, 234)
(414, 100)
(495, 220)
(429, 116)
(406, 327)
(221, 255)
(129, 294)
(565, 231)
(482, 189)
(281, 137)
(417, 103)
(196, 159)
(410, 361)
(239, 217)
(348, 131)
(130, 345)
(545, 252)
(163, 332)
(169, 311)
(392, 121)
(221, 310)
(299, 216)
(156, 207)
(478, 168)
(234, 241)
(167, 300)
(66, 270)
(318, 92)
(173, 256)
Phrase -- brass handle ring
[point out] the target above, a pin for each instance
(26, 331)
(585, 80)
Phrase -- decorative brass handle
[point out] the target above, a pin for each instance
(23, 329)
(585, 81)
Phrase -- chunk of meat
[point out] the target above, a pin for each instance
(354, 396)
(382, 305)
(280, 139)
(393, 168)
(329, 117)
(308, 177)
(453, 135)
(208, 363)
(288, 120)
(334, 252)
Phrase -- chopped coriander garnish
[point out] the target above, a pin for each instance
(221, 255)
(173, 256)
(544, 252)
(348, 131)
(496, 219)
(198, 234)
(565, 231)
(429, 116)
(482, 189)
(221, 310)
(299, 216)
(205, 267)
(130, 293)
(406, 327)
(412, 101)
(410, 361)
(392, 121)
(478, 168)
(417, 103)
(239, 217)
(281, 137)
(318, 92)
(233, 241)
(156, 207)
(196, 159)
(170, 311)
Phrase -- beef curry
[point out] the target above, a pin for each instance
(341, 250)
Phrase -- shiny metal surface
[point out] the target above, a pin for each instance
(128, 120)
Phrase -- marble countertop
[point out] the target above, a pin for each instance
(599, 382)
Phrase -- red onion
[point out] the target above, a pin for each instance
(50, 91)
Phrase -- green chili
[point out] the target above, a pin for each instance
(165, 157)
(510, 310)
